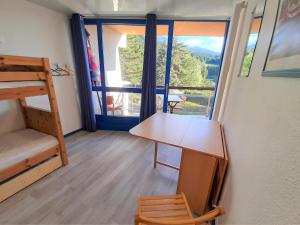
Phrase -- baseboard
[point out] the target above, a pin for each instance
(73, 132)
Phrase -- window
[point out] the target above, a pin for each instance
(123, 48)
(93, 54)
(123, 104)
(196, 58)
(161, 54)
(94, 63)
(251, 45)
(253, 38)
(97, 101)
(187, 65)
(159, 102)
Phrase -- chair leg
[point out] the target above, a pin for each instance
(136, 219)
(155, 154)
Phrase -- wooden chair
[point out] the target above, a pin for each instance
(111, 106)
(184, 98)
(170, 210)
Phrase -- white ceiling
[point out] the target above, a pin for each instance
(137, 8)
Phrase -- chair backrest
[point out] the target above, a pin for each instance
(109, 100)
(218, 211)
(183, 97)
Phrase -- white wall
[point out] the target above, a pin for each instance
(262, 128)
(31, 30)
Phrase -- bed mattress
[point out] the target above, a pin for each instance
(16, 84)
(22, 144)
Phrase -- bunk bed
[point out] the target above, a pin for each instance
(31, 153)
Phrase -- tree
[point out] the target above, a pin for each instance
(161, 58)
(186, 69)
(132, 58)
(247, 63)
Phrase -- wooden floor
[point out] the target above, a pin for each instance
(107, 171)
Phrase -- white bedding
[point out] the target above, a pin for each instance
(16, 84)
(22, 144)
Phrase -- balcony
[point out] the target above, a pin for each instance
(194, 101)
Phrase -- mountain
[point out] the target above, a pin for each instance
(199, 51)
(211, 59)
(250, 48)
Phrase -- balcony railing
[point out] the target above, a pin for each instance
(196, 100)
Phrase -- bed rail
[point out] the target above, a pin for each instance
(9, 60)
(21, 92)
(25, 179)
(22, 76)
(20, 68)
(28, 163)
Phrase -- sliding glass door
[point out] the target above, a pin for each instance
(119, 46)
(123, 55)
(189, 56)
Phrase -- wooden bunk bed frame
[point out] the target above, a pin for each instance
(28, 171)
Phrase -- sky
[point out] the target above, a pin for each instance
(252, 39)
(211, 43)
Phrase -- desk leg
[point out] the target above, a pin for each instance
(155, 154)
(172, 106)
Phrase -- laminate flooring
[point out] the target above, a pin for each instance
(107, 171)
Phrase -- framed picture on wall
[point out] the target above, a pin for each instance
(284, 52)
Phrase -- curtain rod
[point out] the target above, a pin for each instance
(90, 16)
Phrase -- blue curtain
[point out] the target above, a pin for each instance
(148, 103)
(83, 73)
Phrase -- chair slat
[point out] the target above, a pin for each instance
(187, 205)
(162, 202)
(162, 208)
(167, 214)
(160, 197)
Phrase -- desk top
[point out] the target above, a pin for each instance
(183, 131)
(174, 98)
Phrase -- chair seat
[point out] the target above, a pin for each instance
(111, 107)
(164, 207)
(179, 108)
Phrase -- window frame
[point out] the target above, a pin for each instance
(105, 121)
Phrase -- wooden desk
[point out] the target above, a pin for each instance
(204, 158)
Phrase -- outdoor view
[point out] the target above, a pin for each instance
(196, 57)
(195, 64)
(194, 69)
(249, 53)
